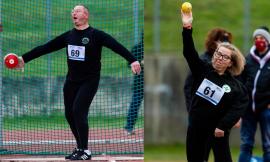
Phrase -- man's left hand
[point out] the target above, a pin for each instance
(135, 67)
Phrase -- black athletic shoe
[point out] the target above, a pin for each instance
(75, 150)
(81, 155)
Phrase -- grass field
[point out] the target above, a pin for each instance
(57, 121)
(176, 153)
(207, 14)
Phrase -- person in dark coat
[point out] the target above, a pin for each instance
(256, 77)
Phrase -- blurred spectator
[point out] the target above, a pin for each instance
(137, 89)
(256, 77)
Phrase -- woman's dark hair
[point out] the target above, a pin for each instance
(214, 36)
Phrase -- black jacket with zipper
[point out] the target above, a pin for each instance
(258, 87)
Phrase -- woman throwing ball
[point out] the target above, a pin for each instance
(219, 99)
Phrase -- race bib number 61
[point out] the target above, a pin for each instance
(210, 91)
(76, 52)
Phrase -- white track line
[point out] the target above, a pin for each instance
(101, 141)
(63, 159)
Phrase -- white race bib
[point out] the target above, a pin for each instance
(76, 52)
(210, 91)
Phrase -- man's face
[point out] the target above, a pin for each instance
(260, 37)
(79, 15)
(261, 43)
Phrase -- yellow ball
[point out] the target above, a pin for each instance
(186, 7)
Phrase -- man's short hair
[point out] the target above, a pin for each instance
(84, 6)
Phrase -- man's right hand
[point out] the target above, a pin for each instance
(20, 65)
(13, 61)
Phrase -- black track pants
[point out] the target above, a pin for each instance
(78, 97)
(198, 142)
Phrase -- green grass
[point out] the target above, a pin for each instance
(176, 153)
(57, 121)
(207, 14)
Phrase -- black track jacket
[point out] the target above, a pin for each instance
(232, 104)
(83, 49)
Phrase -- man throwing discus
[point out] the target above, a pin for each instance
(83, 46)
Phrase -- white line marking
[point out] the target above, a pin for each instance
(63, 159)
(101, 141)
